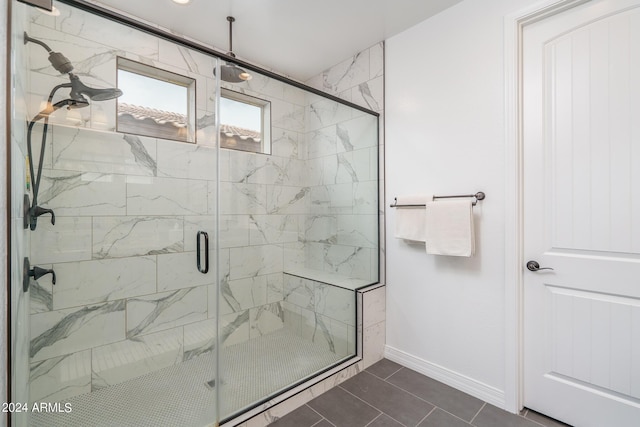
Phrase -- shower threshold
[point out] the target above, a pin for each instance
(184, 394)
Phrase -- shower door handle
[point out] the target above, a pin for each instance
(202, 269)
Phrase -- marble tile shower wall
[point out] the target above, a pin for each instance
(128, 298)
(346, 159)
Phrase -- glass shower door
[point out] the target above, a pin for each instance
(127, 333)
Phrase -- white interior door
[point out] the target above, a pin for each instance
(581, 129)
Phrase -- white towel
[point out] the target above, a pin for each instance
(449, 228)
(410, 220)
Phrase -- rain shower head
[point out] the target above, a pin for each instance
(78, 89)
(230, 72)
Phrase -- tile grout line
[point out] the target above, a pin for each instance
(379, 415)
(321, 416)
(427, 416)
(369, 404)
(477, 413)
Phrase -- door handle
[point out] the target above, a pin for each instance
(534, 266)
(202, 269)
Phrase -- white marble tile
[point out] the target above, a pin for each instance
(41, 294)
(374, 306)
(60, 377)
(373, 344)
(322, 142)
(335, 303)
(68, 240)
(324, 113)
(266, 319)
(287, 200)
(82, 193)
(186, 59)
(181, 160)
(199, 338)
(93, 282)
(358, 133)
(115, 363)
(294, 255)
(179, 271)
(347, 74)
(272, 229)
(115, 237)
(166, 310)
(369, 94)
(206, 135)
(287, 115)
(349, 261)
(242, 294)
(251, 168)
(242, 199)
(358, 230)
(103, 152)
(376, 60)
(365, 197)
(340, 335)
(275, 287)
(193, 224)
(341, 197)
(234, 328)
(285, 143)
(234, 230)
(76, 22)
(321, 229)
(56, 333)
(166, 196)
(299, 291)
(255, 260)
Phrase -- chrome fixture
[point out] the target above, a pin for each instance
(76, 100)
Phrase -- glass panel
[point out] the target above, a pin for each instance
(298, 236)
(127, 334)
(20, 248)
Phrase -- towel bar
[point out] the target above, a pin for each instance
(478, 196)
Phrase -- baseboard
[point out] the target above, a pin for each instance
(454, 379)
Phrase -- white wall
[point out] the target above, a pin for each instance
(445, 135)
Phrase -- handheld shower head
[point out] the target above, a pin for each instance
(78, 89)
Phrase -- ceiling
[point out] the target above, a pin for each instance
(298, 38)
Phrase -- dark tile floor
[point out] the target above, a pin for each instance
(389, 395)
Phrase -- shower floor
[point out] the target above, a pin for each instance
(179, 395)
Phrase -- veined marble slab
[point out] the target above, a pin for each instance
(61, 377)
(179, 270)
(103, 152)
(92, 282)
(83, 193)
(273, 229)
(68, 240)
(199, 338)
(166, 196)
(115, 237)
(188, 161)
(266, 319)
(253, 261)
(60, 332)
(166, 310)
(124, 360)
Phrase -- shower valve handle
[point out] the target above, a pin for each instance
(36, 211)
(37, 272)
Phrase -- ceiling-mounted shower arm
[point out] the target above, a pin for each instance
(231, 20)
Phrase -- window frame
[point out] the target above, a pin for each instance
(265, 123)
(153, 72)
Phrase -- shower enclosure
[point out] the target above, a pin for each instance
(180, 269)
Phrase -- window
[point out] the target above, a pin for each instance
(155, 102)
(245, 122)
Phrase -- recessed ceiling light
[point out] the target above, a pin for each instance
(182, 1)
